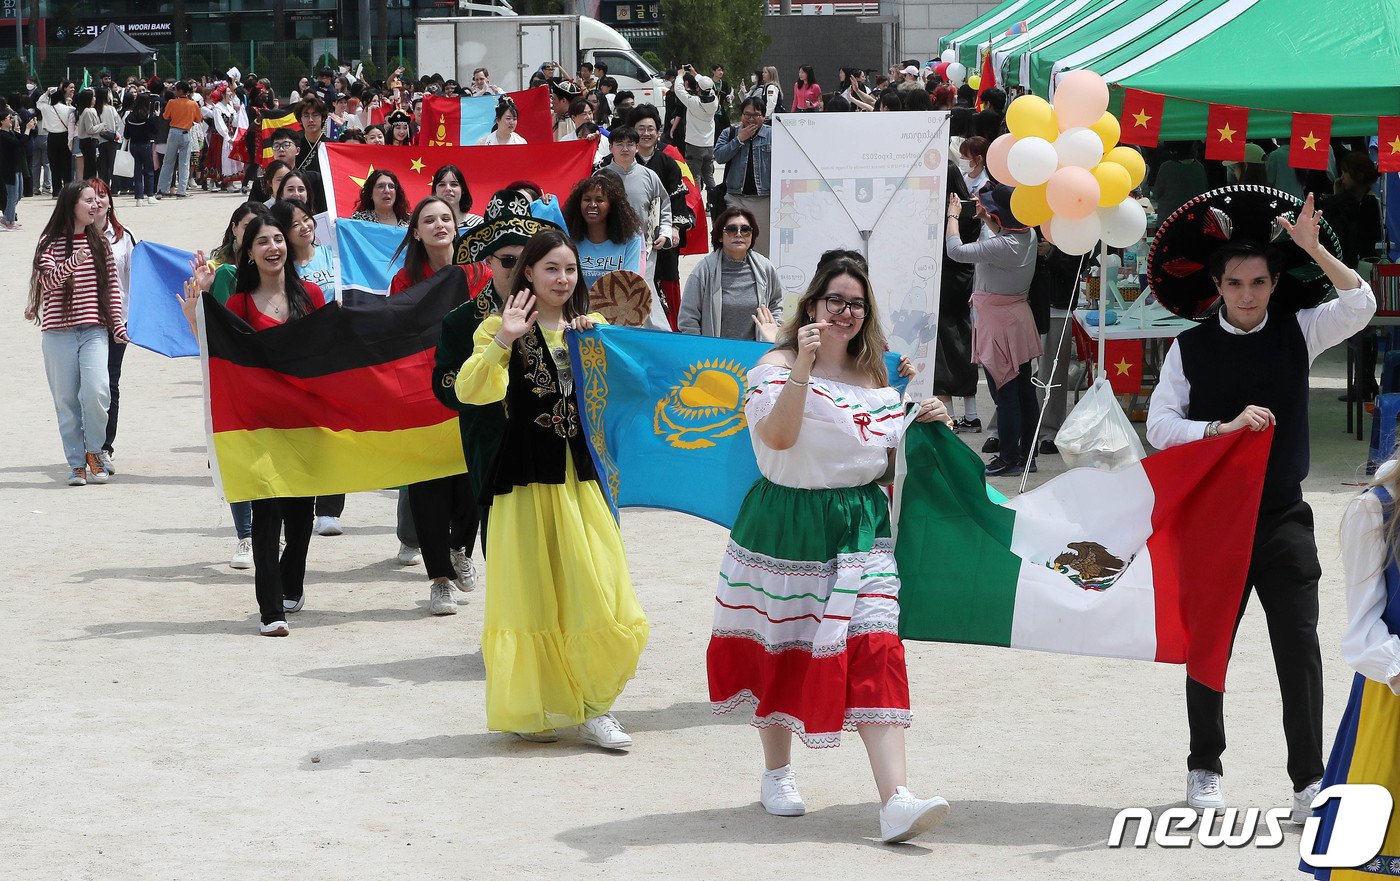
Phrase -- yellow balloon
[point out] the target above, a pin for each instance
(1108, 130)
(1129, 159)
(1031, 116)
(974, 82)
(1029, 205)
(1114, 183)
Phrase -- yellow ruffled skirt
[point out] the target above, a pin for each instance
(563, 628)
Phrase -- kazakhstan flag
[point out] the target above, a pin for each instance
(664, 416)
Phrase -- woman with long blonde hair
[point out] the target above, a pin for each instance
(807, 607)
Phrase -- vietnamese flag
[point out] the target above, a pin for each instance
(340, 401)
(1389, 144)
(1142, 118)
(1133, 563)
(555, 167)
(461, 122)
(1310, 141)
(268, 123)
(1225, 132)
(1122, 364)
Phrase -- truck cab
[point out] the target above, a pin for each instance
(600, 44)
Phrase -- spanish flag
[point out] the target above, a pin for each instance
(339, 401)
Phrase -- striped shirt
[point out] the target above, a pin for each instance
(55, 271)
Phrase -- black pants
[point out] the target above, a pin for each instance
(106, 155)
(444, 517)
(330, 506)
(1283, 571)
(276, 579)
(115, 353)
(60, 161)
(1016, 413)
(87, 147)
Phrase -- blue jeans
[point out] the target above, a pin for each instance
(14, 188)
(242, 519)
(177, 158)
(144, 177)
(75, 361)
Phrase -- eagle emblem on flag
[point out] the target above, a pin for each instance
(1089, 565)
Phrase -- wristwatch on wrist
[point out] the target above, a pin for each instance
(1213, 428)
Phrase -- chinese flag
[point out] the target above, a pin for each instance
(1142, 118)
(1310, 141)
(1123, 366)
(1389, 144)
(1225, 132)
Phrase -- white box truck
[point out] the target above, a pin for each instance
(513, 47)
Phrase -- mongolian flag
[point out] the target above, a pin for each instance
(1311, 141)
(1142, 118)
(269, 122)
(556, 167)
(1225, 132)
(1389, 144)
(340, 401)
(1123, 366)
(461, 122)
(697, 239)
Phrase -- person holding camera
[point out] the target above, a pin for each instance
(700, 102)
(13, 140)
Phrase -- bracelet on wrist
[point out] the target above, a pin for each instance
(802, 382)
(498, 341)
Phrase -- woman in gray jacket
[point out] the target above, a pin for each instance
(734, 292)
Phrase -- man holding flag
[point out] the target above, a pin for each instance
(1247, 368)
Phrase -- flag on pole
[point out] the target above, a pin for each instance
(1225, 132)
(461, 122)
(1133, 563)
(1310, 142)
(1142, 118)
(988, 78)
(1388, 144)
(1017, 29)
(154, 318)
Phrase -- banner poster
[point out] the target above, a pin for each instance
(874, 183)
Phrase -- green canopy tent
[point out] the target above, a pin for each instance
(1275, 57)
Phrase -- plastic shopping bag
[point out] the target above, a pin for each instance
(1097, 433)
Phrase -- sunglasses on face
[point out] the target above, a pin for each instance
(508, 261)
(736, 229)
(835, 305)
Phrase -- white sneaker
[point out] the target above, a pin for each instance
(243, 557)
(1203, 790)
(291, 606)
(1302, 802)
(466, 572)
(604, 731)
(547, 736)
(276, 628)
(77, 477)
(328, 526)
(106, 459)
(779, 795)
(905, 816)
(440, 601)
(408, 556)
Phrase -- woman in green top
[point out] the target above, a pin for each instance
(224, 259)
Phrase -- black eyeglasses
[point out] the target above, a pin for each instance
(508, 261)
(735, 229)
(835, 305)
(283, 145)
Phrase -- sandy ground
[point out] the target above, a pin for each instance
(148, 733)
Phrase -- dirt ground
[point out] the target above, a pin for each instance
(148, 733)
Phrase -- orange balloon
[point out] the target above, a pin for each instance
(1081, 99)
(996, 159)
(1072, 193)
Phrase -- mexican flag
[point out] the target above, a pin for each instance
(1146, 562)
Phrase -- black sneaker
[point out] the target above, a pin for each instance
(992, 445)
(1048, 448)
(972, 426)
(1032, 468)
(999, 467)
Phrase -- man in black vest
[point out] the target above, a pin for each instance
(1248, 369)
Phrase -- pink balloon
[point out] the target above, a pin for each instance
(996, 159)
(1073, 193)
(1081, 98)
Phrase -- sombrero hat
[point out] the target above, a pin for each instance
(506, 221)
(1180, 254)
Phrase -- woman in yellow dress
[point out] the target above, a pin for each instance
(563, 629)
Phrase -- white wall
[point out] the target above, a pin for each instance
(922, 22)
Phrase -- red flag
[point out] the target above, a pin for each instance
(1122, 364)
(697, 239)
(1225, 132)
(555, 167)
(989, 77)
(269, 123)
(1142, 118)
(1310, 141)
(1389, 144)
(442, 118)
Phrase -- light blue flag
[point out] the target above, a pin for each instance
(154, 318)
(664, 416)
(478, 118)
(366, 251)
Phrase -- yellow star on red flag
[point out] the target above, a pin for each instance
(1123, 366)
(416, 165)
(360, 181)
(1227, 133)
(1394, 145)
(1310, 141)
(1140, 119)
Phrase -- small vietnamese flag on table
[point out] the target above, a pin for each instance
(1142, 118)
(1388, 145)
(1122, 364)
(1225, 132)
(1310, 141)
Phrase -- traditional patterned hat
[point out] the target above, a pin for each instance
(507, 221)
(398, 116)
(1177, 264)
(562, 88)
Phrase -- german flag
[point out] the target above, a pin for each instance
(340, 401)
(268, 124)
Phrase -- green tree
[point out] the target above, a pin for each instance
(706, 32)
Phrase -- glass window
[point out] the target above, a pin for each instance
(621, 65)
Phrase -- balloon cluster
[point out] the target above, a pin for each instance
(1071, 178)
(950, 69)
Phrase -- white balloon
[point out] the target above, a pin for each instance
(1079, 147)
(1075, 237)
(1031, 161)
(949, 55)
(1123, 224)
(957, 73)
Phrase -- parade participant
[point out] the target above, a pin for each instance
(562, 93)
(269, 294)
(271, 181)
(650, 202)
(444, 511)
(399, 125)
(122, 243)
(228, 122)
(75, 298)
(382, 200)
(341, 120)
(664, 263)
(728, 292)
(503, 132)
(374, 135)
(812, 645)
(1247, 368)
(604, 227)
(1004, 336)
(563, 630)
(450, 185)
(313, 261)
(299, 185)
(746, 150)
(312, 115)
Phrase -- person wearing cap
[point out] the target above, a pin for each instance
(1246, 368)
(563, 93)
(399, 126)
(1004, 337)
(700, 102)
(1251, 170)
